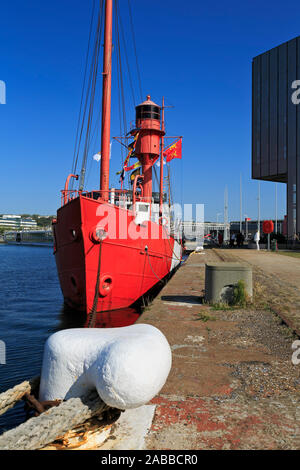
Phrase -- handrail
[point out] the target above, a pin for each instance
(65, 192)
(68, 195)
(134, 188)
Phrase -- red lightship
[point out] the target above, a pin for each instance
(112, 246)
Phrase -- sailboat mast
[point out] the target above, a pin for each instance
(106, 102)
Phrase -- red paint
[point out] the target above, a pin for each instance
(148, 145)
(174, 150)
(123, 258)
(66, 189)
(106, 101)
(216, 426)
(115, 319)
(268, 226)
(135, 187)
(129, 258)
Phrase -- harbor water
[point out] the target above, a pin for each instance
(31, 309)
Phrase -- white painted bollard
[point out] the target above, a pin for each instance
(128, 366)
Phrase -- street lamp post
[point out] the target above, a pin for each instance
(246, 223)
(258, 208)
(219, 213)
(275, 207)
(241, 203)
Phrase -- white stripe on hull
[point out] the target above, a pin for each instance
(176, 258)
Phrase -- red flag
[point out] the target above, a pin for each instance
(174, 151)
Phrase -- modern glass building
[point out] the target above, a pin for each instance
(250, 227)
(276, 123)
(15, 222)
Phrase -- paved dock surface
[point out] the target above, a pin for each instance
(277, 277)
(232, 383)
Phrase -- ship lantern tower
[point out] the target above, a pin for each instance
(148, 123)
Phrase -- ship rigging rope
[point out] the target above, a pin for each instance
(120, 29)
(119, 32)
(155, 176)
(120, 76)
(92, 99)
(135, 51)
(121, 38)
(120, 69)
(75, 156)
(88, 123)
(89, 93)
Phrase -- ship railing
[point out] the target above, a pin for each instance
(68, 195)
(113, 195)
(118, 197)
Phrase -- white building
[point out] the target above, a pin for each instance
(15, 222)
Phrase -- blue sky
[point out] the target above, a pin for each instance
(197, 54)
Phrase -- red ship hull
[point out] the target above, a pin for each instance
(130, 260)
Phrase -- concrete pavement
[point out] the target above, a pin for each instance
(232, 384)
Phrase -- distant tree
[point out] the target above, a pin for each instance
(42, 221)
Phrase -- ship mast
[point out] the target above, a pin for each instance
(161, 182)
(106, 102)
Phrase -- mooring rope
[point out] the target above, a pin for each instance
(9, 398)
(157, 277)
(93, 311)
(172, 249)
(42, 430)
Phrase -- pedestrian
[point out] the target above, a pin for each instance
(256, 239)
(232, 240)
(240, 240)
(220, 238)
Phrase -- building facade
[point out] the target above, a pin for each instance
(198, 230)
(276, 123)
(16, 222)
(249, 227)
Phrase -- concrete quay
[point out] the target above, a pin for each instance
(232, 384)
